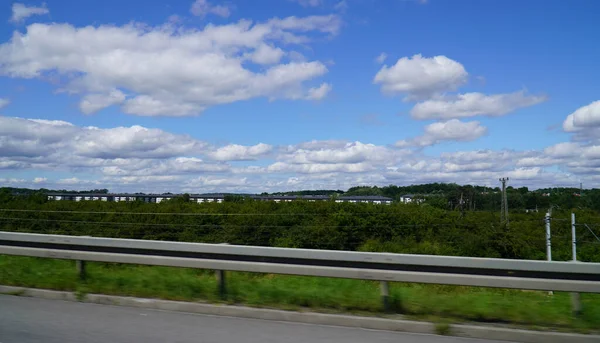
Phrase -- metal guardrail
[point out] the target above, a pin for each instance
(466, 271)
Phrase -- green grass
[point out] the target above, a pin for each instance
(431, 302)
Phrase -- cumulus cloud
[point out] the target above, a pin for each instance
(142, 159)
(421, 77)
(318, 93)
(334, 152)
(583, 118)
(12, 180)
(564, 149)
(201, 8)
(139, 67)
(310, 168)
(95, 102)
(474, 104)
(431, 80)
(20, 11)
(266, 54)
(584, 123)
(450, 131)
(236, 152)
(65, 143)
(212, 181)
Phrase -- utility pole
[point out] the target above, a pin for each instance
(548, 236)
(504, 202)
(548, 239)
(575, 299)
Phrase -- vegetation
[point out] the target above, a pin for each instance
(480, 198)
(428, 228)
(437, 303)
(401, 228)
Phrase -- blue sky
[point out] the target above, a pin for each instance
(274, 95)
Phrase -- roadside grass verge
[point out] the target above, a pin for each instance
(436, 303)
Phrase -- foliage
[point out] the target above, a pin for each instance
(432, 302)
(402, 228)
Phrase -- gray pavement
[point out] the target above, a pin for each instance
(28, 320)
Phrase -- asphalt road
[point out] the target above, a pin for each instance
(28, 320)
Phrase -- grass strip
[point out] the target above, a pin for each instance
(438, 303)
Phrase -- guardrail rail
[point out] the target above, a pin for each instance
(449, 270)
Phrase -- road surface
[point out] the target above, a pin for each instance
(28, 320)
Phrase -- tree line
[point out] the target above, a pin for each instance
(400, 228)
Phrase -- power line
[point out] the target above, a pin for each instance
(592, 232)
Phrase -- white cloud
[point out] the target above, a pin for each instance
(584, 123)
(318, 145)
(94, 102)
(474, 104)
(318, 93)
(536, 161)
(249, 170)
(284, 167)
(235, 152)
(8, 164)
(71, 181)
(381, 58)
(452, 130)
(453, 167)
(141, 67)
(149, 160)
(21, 12)
(584, 117)
(217, 181)
(173, 166)
(334, 152)
(201, 8)
(12, 180)
(4, 102)
(24, 138)
(421, 77)
(560, 150)
(524, 173)
(266, 54)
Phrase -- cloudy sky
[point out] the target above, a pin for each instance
(272, 95)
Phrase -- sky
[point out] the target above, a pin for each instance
(281, 95)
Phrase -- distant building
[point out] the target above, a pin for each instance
(211, 198)
(373, 199)
(200, 198)
(411, 198)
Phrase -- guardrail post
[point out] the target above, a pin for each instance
(220, 274)
(385, 295)
(81, 269)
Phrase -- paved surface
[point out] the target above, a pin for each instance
(28, 320)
